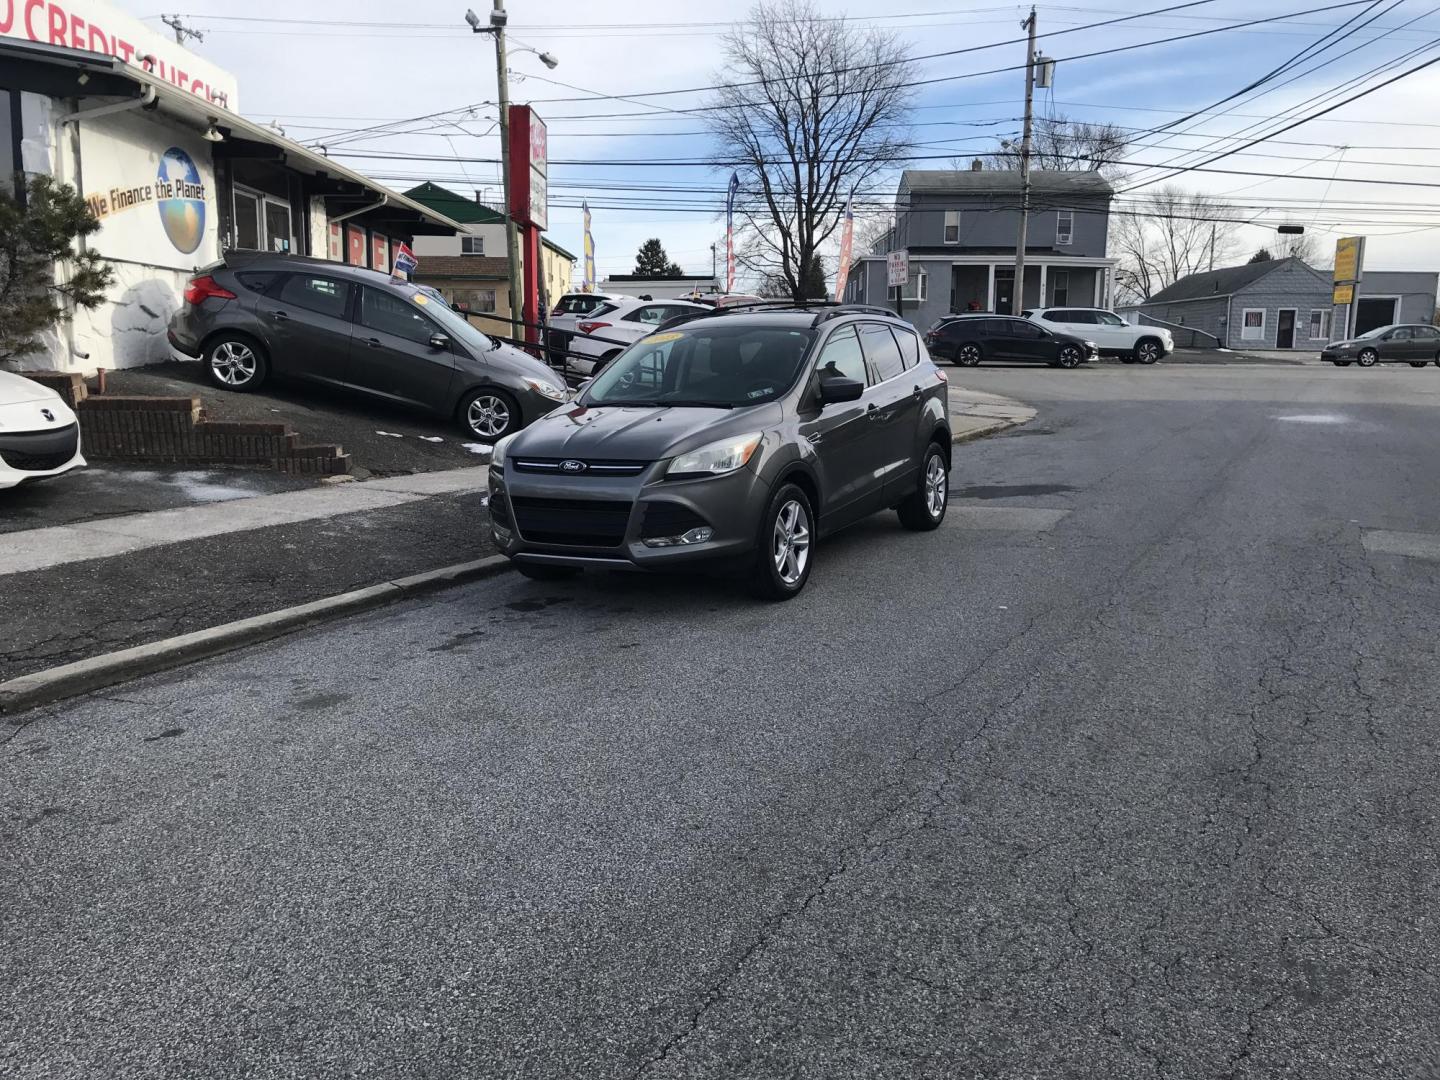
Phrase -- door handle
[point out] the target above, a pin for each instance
(373, 342)
(917, 391)
(280, 315)
(873, 413)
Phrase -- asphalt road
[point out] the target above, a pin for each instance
(1129, 771)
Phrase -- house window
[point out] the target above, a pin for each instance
(1252, 324)
(1320, 324)
(919, 286)
(952, 226)
(472, 245)
(1061, 279)
(482, 300)
(1064, 227)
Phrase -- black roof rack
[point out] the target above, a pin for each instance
(830, 309)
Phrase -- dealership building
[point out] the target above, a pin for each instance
(149, 134)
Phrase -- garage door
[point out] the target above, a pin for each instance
(1373, 312)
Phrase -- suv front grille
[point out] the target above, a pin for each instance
(572, 522)
(40, 451)
(592, 468)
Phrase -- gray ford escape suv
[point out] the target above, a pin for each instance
(737, 436)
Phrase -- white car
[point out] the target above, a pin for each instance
(1115, 336)
(620, 323)
(39, 435)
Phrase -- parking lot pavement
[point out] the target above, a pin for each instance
(110, 490)
(1134, 779)
(1242, 356)
(382, 440)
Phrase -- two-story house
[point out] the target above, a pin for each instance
(959, 229)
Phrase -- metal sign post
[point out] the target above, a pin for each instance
(1349, 270)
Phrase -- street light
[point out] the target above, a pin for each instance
(498, 18)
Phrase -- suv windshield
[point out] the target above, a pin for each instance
(705, 363)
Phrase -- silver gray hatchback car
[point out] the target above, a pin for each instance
(737, 436)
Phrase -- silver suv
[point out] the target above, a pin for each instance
(734, 437)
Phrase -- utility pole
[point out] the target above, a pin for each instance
(181, 30)
(1018, 300)
(512, 234)
(1212, 246)
(713, 267)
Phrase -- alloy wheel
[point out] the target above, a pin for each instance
(1367, 358)
(1147, 353)
(968, 356)
(937, 485)
(1069, 357)
(790, 546)
(488, 415)
(233, 363)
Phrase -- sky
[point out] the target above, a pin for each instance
(323, 69)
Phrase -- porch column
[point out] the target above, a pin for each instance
(1100, 287)
(990, 296)
(1042, 302)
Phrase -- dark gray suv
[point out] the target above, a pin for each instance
(736, 436)
(254, 315)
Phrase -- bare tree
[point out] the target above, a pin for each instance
(811, 108)
(1300, 246)
(1060, 143)
(1166, 235)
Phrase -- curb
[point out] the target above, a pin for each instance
(963, 437)
(98, 672)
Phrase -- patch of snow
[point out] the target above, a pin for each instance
(430, 438)
(477, 448)
(390, 434)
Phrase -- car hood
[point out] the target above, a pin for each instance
(1350, 343)
(17, 390)
(634, 433)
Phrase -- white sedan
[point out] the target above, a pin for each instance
(39, 435)
(621, 322)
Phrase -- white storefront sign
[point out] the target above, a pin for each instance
(96, 26)
(897, 268)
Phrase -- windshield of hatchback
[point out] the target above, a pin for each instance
(705, 363)
(454, 324)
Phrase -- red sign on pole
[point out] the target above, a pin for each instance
(528, 157)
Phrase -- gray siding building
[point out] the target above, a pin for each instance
(1286, 304)
(958, 228)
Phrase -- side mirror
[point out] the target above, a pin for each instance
(439, 341)
(833, 391)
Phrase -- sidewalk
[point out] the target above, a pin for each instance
(92, 585)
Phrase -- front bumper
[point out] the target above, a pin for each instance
(592, 520)
(35, 455)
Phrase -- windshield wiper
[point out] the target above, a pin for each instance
(697, 404)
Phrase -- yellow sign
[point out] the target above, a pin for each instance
(1344, 294)
(1348, 252)
(420, 298)
(660, 339)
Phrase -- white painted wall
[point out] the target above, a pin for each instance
(494, 236)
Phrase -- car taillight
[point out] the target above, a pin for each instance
(591, 327)
(199, 288)
(940, 374)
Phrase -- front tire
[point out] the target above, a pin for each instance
(969, 355)
(1069, 357)
(488, 415)
(924, 509)
(787, 536)
(235, 362)
(1367, 358)
(1147, 351)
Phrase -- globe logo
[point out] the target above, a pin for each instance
(181, 199)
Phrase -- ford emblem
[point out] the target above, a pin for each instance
(573, 466)
(48, 415)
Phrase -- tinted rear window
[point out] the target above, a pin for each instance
(881, 350)
(909, 345)
(257, 280)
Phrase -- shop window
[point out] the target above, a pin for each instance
(262, 223)
(1252, 324)
(1320, 324)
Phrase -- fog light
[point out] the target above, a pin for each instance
(694, 536)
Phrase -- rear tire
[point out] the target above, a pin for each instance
(1147, 351)
(547, 573)
(924, 508)
(785, 545)
(235, 362)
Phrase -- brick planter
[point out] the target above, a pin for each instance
(173, 430)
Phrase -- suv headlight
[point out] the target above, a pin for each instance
(717, 458)
(497, 452)
(548, 389)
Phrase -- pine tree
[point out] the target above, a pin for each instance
(1261, 255)
(33, 237)
(652, 262)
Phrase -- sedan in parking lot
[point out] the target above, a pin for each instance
(39, 435)
(618, 323)
(968, 339)
(1415, 344)
(256, 314)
